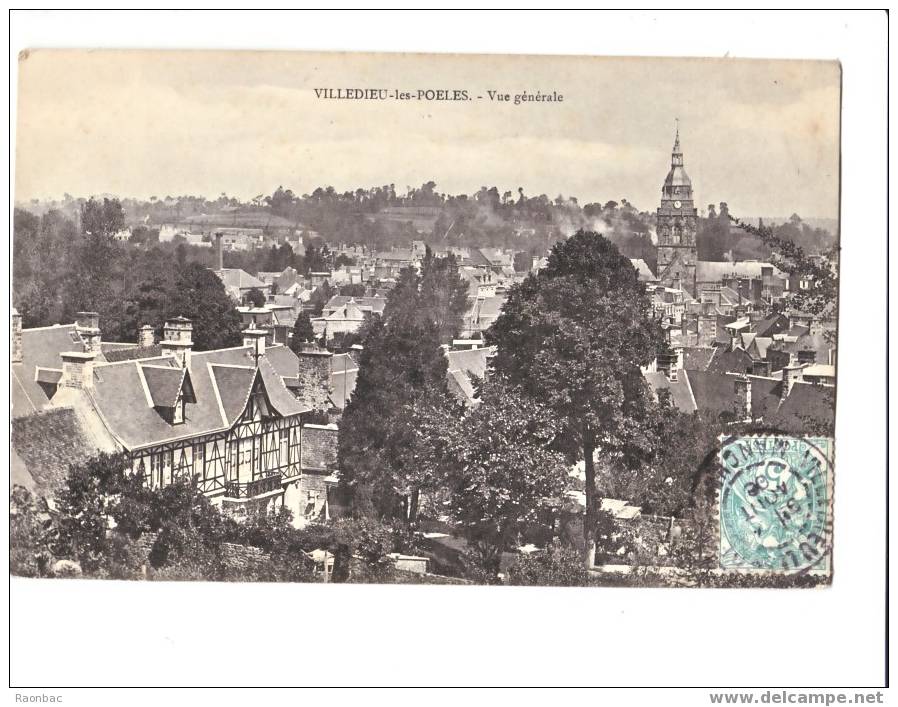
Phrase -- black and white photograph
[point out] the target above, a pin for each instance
(390, 318)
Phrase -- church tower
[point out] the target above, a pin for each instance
(677, 253)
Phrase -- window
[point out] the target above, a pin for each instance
(178, 410)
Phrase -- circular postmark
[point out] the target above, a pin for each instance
(775, 499)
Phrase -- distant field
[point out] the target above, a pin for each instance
(239, 219)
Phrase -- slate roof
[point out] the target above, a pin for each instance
(221, 382)
(757, 349)
(163, 383)
(40, 349)
(716, 271)
(132, 353)
(375, 304)
(697, 357)
(463, 368)
(45, 444)
(235, 277)
(643, 270)
(680, 393)
(735, 361)
(774, 324)
(807, 408)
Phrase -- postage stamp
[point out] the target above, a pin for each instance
(775, 504)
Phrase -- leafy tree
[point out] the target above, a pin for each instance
(443, 294)
(29, 550)
(356, 289)
(93, 277)
(522, 261)
(320, 297)
(302, 332)
(401, 363)
(102, 220)
(255, 297)
(200, 296)
(495, 463)
(574, 336)
(86, 505)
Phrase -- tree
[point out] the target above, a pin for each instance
(443, 294)
(401, 363)
(495, 463)
(320, 297)
(522, 261)
(356, 289)
(255, 297)
(200, 296)
(29, 552)
(574, 336)
(86, 505)
(101, 221)
(302, 332)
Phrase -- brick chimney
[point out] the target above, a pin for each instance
(218, 251)
(791, 375)
(77, 369)
(146, 337)
(743, 397)
(254, 339)
(15, 337)
(314, 374)
(177, 340)
(87, 324)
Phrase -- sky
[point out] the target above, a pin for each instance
(761, 135)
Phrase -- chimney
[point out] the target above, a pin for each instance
(254, 339)
(743, 398)
(146, 337)
(791, 376)
(218, 250)
(177, 339)
(77, 369)
(314, 374)
(15, 337)
(87, 324)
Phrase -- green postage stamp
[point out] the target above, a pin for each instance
(775, 504)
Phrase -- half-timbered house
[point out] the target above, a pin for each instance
(234, 420)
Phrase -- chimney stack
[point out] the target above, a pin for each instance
(87, 324)
(177, 340)
(218, 250)
(146, 337)
(254, 339)
(77, 369)
(791, 376)
(15, 337)
(314, 374)
(743, 398)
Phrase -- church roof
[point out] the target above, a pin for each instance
(677, 177)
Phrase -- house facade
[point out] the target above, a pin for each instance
(238, 421)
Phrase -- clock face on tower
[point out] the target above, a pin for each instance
(677, 204)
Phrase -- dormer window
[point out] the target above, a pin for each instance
(178, 410)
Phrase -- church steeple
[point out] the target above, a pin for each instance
(677, 226)
(676, 157)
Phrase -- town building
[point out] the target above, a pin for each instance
(243, 422)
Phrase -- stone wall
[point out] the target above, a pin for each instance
(319, 447)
